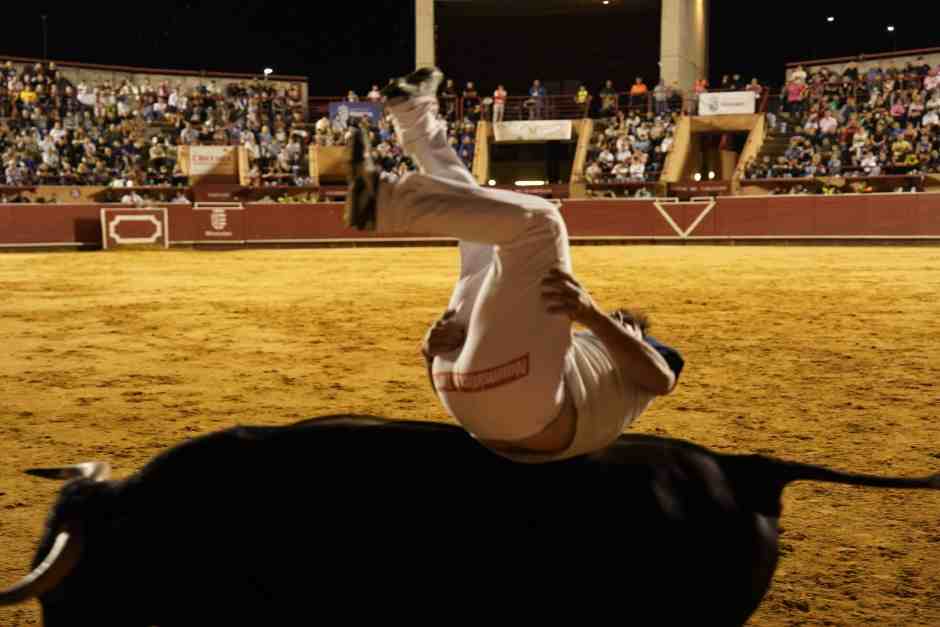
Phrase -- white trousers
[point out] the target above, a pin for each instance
(506, 382)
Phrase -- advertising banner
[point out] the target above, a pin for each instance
(147, 226)
(727, 103)
(533, 131)
(342, 113)
(219, 223)
(211, 161)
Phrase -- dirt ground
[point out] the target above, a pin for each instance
(828, 355)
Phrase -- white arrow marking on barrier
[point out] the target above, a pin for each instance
(695, 223)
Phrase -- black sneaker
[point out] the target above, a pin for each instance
(363, 183)
(422, 82)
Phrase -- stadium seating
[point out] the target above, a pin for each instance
(881, 124)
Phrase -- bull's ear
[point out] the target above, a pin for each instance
(96, 471)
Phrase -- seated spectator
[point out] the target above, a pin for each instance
(931, 118)
(131, 197)
(593, 173)
(828, 124)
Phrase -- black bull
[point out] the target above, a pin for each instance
(364, 518)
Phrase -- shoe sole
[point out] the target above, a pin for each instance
(353, 216)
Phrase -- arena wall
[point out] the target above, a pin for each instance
(845, 217)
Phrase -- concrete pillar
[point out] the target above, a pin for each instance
(684, 46)
(424, 34)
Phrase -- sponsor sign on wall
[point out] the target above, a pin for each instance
(727, 103)
(342, 113)
(219, 223)
(212, 161)
(147, 226)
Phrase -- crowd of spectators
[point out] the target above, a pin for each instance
(537, 103)
(884, 120)
(387, 151)
(630, 147)
(126, 133)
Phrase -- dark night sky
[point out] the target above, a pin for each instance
(351, 45)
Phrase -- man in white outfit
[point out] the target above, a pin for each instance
(503, 359)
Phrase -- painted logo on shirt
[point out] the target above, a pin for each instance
(483, 379)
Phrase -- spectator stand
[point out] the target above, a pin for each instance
(869, 118)
(73, 129)
(627, 152)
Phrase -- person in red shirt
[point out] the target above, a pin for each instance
(796, 90)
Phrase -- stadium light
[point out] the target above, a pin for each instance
(830, 19)
(268, 72)
(891, 29)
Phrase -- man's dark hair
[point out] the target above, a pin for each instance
(630, 316)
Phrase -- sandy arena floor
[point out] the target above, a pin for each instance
(826, 355)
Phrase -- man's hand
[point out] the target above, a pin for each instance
(444, 336)
(637, 360)
(564, 295)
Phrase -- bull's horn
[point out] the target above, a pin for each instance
(96, 471)
(58, 563)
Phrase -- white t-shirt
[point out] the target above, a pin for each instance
(606, 403)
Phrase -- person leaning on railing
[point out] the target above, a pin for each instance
(499, 104)
(638, 93)
(609, 99)
(583, 99)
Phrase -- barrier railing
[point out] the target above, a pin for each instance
(884, 183)
(553, 107)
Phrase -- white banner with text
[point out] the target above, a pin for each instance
(727, 103)
(533, 131)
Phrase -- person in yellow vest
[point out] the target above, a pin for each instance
(583, 98)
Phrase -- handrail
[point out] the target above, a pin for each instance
(866, 57)
(142, 70)
(560, 106)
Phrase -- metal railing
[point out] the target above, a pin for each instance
(554, 107)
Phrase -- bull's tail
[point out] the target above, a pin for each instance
(793, 471)
(759, 481)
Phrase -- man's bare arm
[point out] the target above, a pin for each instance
(636, 359)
